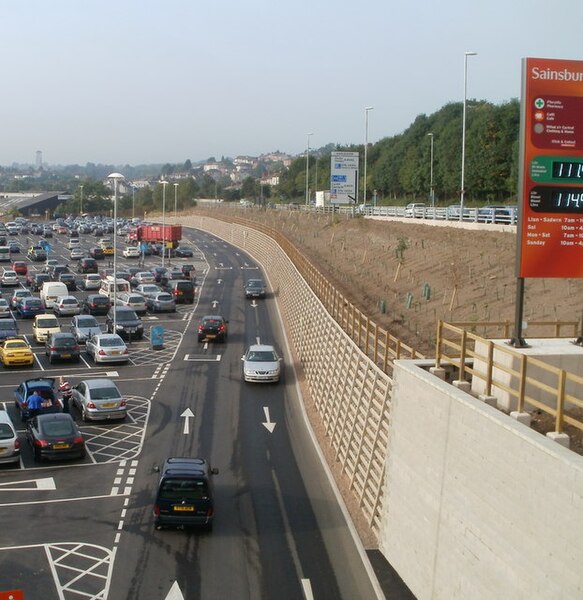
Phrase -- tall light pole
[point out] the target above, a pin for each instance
(164, 184)
(116, 178)
(175, 199)
(308, 170)
(81, 203)
(365, 148)
(462, 191)
(133, 201)
(431, 194)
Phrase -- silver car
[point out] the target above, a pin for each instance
(83, 327)
(161, 302)
(107, 348)
(4, 308)
(66, 306)
(9, 443)
(132, 300)
(92, 281)
(99, 399)
(148, 289)
(261, 364)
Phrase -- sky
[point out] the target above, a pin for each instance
(127, 82)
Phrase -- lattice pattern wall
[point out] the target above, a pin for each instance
(351, 393)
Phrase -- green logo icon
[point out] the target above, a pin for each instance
(539, 103)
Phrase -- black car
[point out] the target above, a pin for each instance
(87, 265)
(35, 280)
(175, 274)
(96, 304)
(56, 270)
(158, 272)
(55, 436)
(127, 322)
(183, 252)
(69, 280)
(212, 328)
(185, 494)
(62, 346)
(96, 252)
(187, 270)
(255, 288)
(182, 290)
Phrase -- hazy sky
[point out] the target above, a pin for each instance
(128, 82)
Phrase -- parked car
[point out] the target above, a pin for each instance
(37, 253)
(96, 253)
(77, 253)
(87, 265)
(99, 400)
(55, 271)
(15, 352)
(4, 309)
(62, 346)
(161, 302)
(91, 281)
(174, 274)
(96, 304)
(261, 364)
(29, 307)
(185, 495)
(66, 306)
(132, 300)
(142, 277)
(14, 247)
(36, 280)
(19, 267)
(148, 289)
(9, 442)
(181, 290)
(415, 209)
(18, 295)
(255, 288)
(45, 387)
(9, 278)
(69, 280)
(49, 264)
(212, 328)
(8, 328)
(107, 348)
(55, 436)
(127, 322)
(158, 272)
(183, 252)
(131, 252)
(83, 327)
(43, 325)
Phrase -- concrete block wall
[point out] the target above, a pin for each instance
(477, 505)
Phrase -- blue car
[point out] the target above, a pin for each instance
(45, 386)
(8, 329)
(27, 308)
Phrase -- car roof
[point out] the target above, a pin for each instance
(184, 465)
(99, 383)
(103, 336)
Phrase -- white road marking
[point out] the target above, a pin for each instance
(46, 483)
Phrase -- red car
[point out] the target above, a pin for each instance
(20, 267)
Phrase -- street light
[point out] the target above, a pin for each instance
(164, 184)
(462, 191)
(133, 201)
(175, 199)
(431, 194)
(308, 170)
(116, 177)
(365, 147)
(81, 204)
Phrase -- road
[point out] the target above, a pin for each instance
(85, 528)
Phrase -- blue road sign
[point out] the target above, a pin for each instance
(157, 337)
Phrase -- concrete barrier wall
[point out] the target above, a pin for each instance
(477, 505)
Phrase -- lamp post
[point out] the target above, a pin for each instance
(462, 191)
(81, 203)
(308, 170)
(431, 194)
(175, 199)
(365, 148)
(116, 177)
(164, 184)
(133, 201)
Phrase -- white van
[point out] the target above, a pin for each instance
(109, 289)
(51, 290)
(5, 254)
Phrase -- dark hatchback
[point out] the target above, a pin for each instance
(96, 253)
(96, 304)
(127, 322)
(255, 288)
(87, 265)
(62, 346)
(212, 328)
(185, 494)
(35, 280)
(45, 387)
(69, 280)
(55, 436)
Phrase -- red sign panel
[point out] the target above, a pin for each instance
(12, 595)
(551, 227)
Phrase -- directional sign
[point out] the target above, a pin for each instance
(343, 177)
(175, 592)
(187, 414)
(268, 424)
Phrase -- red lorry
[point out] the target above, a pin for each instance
(155, 234)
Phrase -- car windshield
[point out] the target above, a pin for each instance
(33, 302)
(87, 322)
(261, 356)
(69, 301)
(48, 322)
(104, 393)
(65, 341)
(126, 315)
(58, 428)
(111, 342)
(190, 489)
(164, 297)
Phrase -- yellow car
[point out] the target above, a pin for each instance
(16, 352)
(108, 250)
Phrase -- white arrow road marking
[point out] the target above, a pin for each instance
(187, 414)
(254, 304)
(307, 589)
(47, 483)
(268, 424)
(175, 592)
(215, 303)
(219, 281)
